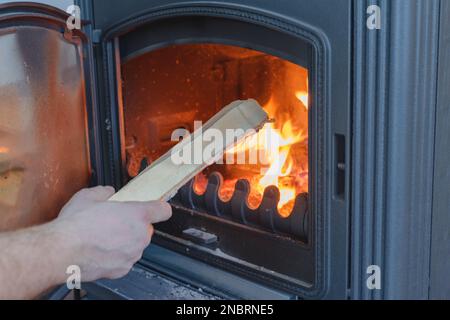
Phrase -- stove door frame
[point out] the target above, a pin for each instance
(180, 30)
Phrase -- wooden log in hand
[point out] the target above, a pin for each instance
(162, 179)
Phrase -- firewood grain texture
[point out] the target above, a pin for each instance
(162, 179)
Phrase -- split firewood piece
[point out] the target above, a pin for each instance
(162, 179)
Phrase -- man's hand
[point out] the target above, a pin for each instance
(109, 237)
(103, 238)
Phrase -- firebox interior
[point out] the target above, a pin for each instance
(170, 88)
(254, 208)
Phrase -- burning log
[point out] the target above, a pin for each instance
(162, 179)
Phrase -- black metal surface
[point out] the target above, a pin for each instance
(200, 237)
(198, 274)
(253, 252)
(440, 261)
(266, 216)
(393, 198)
(234, 234)
(141, 283)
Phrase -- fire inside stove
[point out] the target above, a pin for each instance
(285, 165)
(170, 88)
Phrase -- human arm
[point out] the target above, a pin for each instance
(103, 238)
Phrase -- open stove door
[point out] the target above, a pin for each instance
(47, 151)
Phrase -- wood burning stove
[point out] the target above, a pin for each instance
(361, 113)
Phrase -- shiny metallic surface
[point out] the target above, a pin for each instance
(44, 156)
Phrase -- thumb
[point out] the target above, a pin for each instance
(87, 197)
(152, 211)
(99, 193)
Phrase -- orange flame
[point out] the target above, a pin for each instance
(274, 146)
(281, 164)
